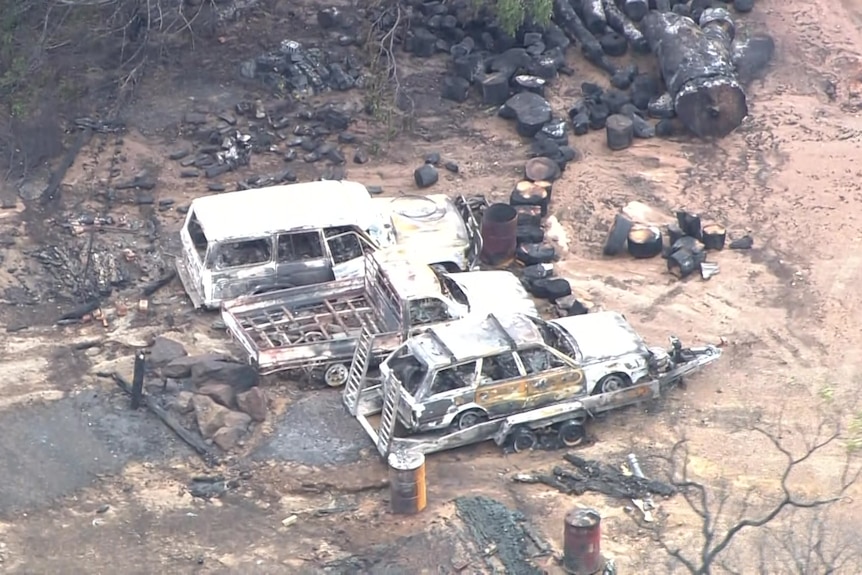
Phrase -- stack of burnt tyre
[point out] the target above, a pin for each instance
(684, 243)
(531, 199)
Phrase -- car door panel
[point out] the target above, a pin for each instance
(552, 386)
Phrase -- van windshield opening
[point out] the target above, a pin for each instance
(199, 239)
(409, 371)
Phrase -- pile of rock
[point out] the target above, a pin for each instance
(221, 396)
(486, 60)
(306, 71)
(227, 141)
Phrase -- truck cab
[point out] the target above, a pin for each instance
(255, 241)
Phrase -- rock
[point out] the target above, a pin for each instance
(222, 393)
(209, 415)
(529, 110)
(195, 118)
(433, 158)
(455, 89)
(179, 154)
(182, 403)
(227, 438)
(165, 350)
(743, 6)
(182, 366)
(360, 156)
(237, 419)
(425, 176)
(240, 376)
(253, 403)
(580, 124)
(452, 167)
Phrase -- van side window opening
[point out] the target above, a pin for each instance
(499, 367)
(409, 371)
(452, 378)
(538, 360)
(244, 253)
(346, 246)
(199, 239)
(428, 310)
(299, 246)
(454, 290)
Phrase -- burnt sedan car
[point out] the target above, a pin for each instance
(465, 372)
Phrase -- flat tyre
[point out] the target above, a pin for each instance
(572, 433)
(524, 439)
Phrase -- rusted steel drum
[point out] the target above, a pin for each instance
(499, 234)
(407, 482)
(582, 541)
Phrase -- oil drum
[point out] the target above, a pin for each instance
(582, 541)
(499, 234)
(407, 482)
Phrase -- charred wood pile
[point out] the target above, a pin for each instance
(692, 44)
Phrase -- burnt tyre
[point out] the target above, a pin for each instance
(572, 433)
(550, 288)
(616, 241)
(470, 418)
(644, 242)
(613, 382)
(524, 439)
(714, 237)
(335, 375)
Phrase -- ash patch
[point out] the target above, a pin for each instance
(493, 525)
(316, 430)
(440, 547)
(48, 451)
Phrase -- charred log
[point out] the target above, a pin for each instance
(577, 31)
(619, 22)
(698, 71)
(636, 9)
(594, 16)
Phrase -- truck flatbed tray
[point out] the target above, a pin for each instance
(280, 326)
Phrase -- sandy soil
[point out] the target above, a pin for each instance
(787, 310)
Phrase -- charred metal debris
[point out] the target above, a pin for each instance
(226, 141)
(583, 475)
(685, 243)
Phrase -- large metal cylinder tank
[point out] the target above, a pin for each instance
(582, 541)
(499, 234)
(407, 494)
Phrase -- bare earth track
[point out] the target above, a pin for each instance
(788, 309)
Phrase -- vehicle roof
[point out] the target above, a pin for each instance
(410, 279)
(250, 213)
(474, 337)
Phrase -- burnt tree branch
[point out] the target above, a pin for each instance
(711, 508)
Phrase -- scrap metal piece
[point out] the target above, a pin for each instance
(708, 269)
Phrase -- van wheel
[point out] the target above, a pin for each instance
(335, 375)
(470, 418)
(524, 439)
(571, 433)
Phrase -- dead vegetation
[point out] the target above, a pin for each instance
(779, 543)
(60, 60)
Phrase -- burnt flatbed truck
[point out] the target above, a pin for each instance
(510, 379)
(315, 328)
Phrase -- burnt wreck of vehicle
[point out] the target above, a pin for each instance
(511, 377)
(255, 241)
(316, 328)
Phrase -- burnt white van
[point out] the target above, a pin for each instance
(259, 240)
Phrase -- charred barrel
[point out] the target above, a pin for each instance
(499, 234)
(407, 494)
(698, 70)
(582, 541)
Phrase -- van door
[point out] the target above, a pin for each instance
(550, 378)
(347, 248)
(502, 389)
(301, 259)
(240, 266)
